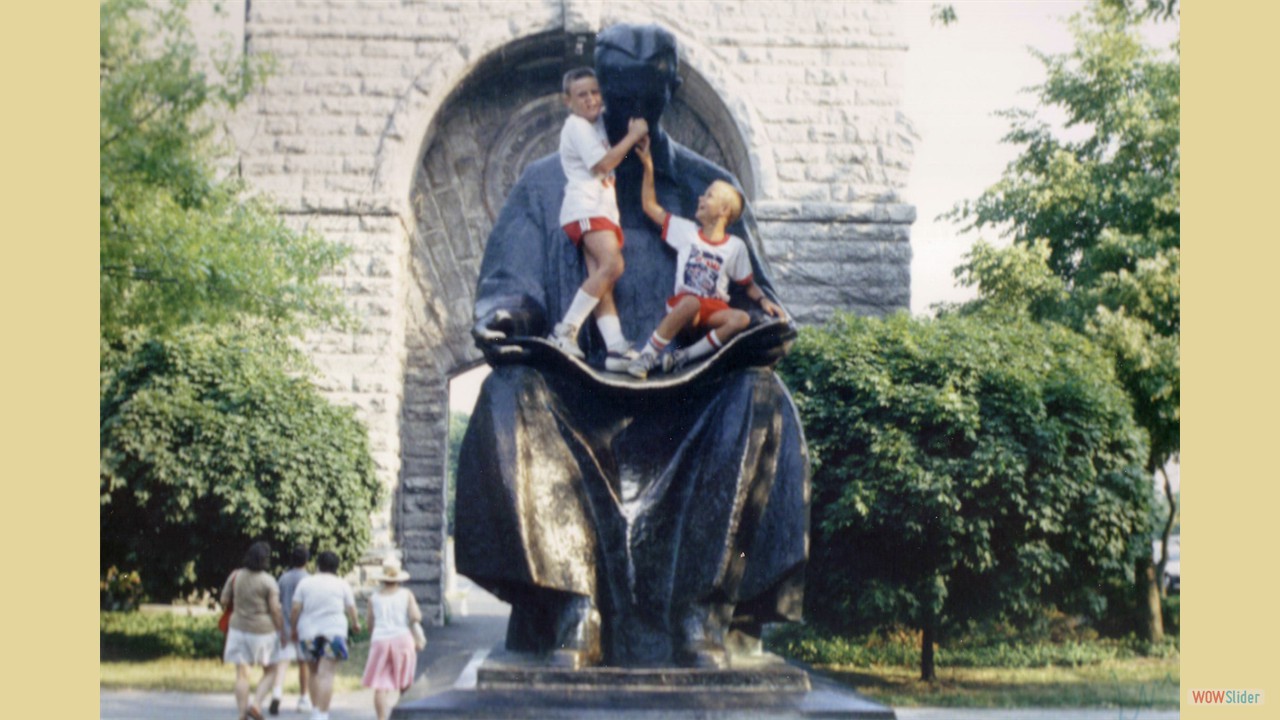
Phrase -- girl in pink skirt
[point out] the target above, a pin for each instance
(393, 656)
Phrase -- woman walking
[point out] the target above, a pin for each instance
(256, 623)
(322, 605)
(393, 656)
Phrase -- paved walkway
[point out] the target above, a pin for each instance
(447, 662)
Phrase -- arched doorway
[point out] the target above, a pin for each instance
(506, 113)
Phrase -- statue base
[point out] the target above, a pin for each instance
(512, 685)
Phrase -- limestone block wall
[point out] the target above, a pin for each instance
(380, 130)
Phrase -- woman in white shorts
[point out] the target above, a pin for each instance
(256, 621)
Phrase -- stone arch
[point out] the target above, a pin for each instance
(504, 113)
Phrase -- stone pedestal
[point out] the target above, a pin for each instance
(509, 685)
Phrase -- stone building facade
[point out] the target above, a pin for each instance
(397, 126)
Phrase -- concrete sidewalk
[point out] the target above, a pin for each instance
(449, 661)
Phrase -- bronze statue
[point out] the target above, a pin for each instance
(627, 522)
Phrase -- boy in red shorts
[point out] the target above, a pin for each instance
(589, 215)
(707, 259)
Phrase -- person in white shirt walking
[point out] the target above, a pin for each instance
(322, 606)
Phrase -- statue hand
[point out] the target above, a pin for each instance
(500, 319)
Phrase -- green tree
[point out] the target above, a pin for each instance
(211, 433)
(965, 468)
(180, 244)
(458, 422)
(211, 439)
(1094, 217)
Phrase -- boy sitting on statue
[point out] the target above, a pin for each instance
(707, 259)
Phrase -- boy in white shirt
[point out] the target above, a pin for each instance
(707, 259)
(589, 215)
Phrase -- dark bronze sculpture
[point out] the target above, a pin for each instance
(631, 523)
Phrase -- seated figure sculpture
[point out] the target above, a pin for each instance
(628, 523)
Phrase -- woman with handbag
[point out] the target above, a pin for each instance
(395, 639)
(254, 627)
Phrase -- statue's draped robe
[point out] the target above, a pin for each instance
(646, 500)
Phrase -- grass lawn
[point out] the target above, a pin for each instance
(210, 676)
(1130, 683)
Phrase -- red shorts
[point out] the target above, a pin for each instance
(576, 229)
(706, 307)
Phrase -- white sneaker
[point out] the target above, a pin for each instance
(304, 703)
(565, 337)
(648, 362)
(679, 359)
(620, 361)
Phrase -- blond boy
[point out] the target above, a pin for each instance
(708, 259)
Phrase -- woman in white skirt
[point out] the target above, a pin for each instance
(393, 656)
(256, 621)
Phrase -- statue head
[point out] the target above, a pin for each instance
(636, 66)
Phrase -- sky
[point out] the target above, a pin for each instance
(956, 77)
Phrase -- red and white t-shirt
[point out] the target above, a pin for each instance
(704, 268)
(586, 195)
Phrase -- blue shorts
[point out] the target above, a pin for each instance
(316, 648)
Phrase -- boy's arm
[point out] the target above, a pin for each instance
(757, 295)
(637, 128)
(648, 195)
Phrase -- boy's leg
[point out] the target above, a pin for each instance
(723, 326)
(603, 255)
(684, 313)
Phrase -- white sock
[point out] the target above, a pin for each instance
(611, 330)
(656, 344)
(705, 346)
(579, 309)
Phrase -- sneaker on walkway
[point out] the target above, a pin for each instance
(274, 707)
(565, 337)
(619, 362)
(304, 703)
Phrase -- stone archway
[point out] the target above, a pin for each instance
(506, 113)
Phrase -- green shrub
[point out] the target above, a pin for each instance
(119, 590)
(965, 468)
(212, 439)
(901, 648)
(145, 636)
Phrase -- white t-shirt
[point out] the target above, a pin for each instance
(586, 195)
(390, 614)
(324, 598)
(704, 268)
